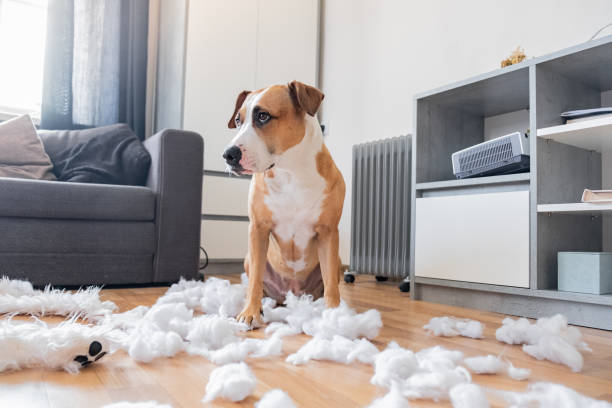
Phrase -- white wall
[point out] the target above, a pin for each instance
(376, 54)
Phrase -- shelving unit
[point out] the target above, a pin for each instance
(564, 160)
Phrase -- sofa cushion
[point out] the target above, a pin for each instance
(105, 155)
(53, 199)
(35, 235)
(21, 152)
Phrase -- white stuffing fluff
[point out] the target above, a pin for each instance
(239, 351)
(430, 373)
(393, 365)
(345, 322)
(549, 338)
(451, 326)
(275, 399)
(17, 296)
(339, 349)
(148, 404)
(223, 298)
(548, 395)
(519, 374)
(491, 364)
(468, 395)
(485, 364)
(393, 399)
(145, 345)
(234, 382)
(35, 344)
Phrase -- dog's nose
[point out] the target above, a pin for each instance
(232, 156)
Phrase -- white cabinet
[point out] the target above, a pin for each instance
(481, 238)
(225, 196)
(233, 45)
(225, 239)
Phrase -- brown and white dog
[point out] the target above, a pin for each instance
(295, 199)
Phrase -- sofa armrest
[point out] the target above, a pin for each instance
(175, 177)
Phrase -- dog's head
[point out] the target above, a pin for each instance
(269, 121)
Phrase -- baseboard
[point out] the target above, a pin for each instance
(224, 267)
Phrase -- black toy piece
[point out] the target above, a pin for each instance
(404, 286)
(349, 278)
(381, 278)
(95, 351)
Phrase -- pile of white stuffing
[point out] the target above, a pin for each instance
(198, 318)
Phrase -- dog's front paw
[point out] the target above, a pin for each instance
(251, 315)
(95, 352)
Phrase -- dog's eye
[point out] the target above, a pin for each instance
(263, 117)
(237, 120)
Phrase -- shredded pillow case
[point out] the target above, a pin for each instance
(22, 154)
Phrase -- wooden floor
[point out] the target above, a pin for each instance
(181, 381)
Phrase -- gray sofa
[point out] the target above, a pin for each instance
(69, 234)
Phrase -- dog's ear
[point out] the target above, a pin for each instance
(239, 101)
(306, 97)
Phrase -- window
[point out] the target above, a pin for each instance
(23, 25)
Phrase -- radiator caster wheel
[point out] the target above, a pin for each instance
(349, 278)
(404, 286)
(381, 278)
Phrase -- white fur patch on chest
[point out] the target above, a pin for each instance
(295, 204)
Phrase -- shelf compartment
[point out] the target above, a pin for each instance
(476, 181)
(594, 134)
(576, 208)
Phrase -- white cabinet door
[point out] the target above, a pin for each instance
(225, 239)
(225, 196)
(287, 42)
(236, 45)
(220, 63)
(480, 238)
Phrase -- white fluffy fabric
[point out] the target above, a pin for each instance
(429, 374)
(548, 395)
(451, 327)
(148, 404)
(20, 297)
(393, 399)
(549, 338)
(339, 349)
(233, 382)
(468, 395)
(36, 344)
(275, 399)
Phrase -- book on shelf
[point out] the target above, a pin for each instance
(597, 196)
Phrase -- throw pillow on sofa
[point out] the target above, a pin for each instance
(22, 154)
(105, 155)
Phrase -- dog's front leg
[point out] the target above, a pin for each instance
(328, 243)
(259, 238)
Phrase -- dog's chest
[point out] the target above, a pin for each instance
(295, 204)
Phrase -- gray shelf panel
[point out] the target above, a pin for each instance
(555, 60)
(477, 181)
(490, 94)
(541, 293)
